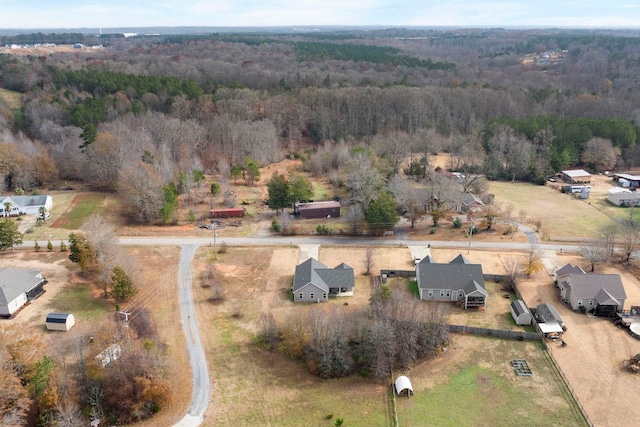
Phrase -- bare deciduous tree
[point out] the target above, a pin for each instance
(593, 252)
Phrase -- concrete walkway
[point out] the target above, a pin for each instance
(308, 251)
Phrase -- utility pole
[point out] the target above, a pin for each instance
(215, 255)
(473, 224)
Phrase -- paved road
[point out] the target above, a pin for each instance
(199, 370)
(284, 241)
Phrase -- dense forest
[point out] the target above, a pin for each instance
(510, 104)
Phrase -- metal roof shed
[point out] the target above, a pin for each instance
(403, 386)
(60, 321)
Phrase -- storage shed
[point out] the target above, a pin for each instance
(403, 386)
(60, 321)
(227, 213)
(520, 313)
(328, 209)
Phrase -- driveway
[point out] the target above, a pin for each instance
(199, 370)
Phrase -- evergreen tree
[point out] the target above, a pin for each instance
(9, 235)
(278, 189)
(121, 285)
(382, 213)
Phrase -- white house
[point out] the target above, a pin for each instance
(25, 205)
(17, 287)
(623, 197)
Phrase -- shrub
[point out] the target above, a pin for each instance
(275, 226)
(583, 309)
(36, 246)
(63, 247)
(49, 246)
(215, 188)
(457, 222)
(29, 230)
(222, 248)
(432, 230)
(19, 191)
(323, 229)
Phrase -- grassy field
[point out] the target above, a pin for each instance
(81, 300)
(560, 214)
(81, 208)
(482, 388)
(13, 99)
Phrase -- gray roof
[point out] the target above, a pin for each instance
(587, 286)
(323, 277)
(519, 307)
(57, 317)
(470, 199)
(569, 269)
(16, 281)
(460, 259)
(24, 201)
(576, 172)
(548, 314)
(605, 298)
(458, 274)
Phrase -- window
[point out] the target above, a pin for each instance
(301, 296)
(441, 292)
(590, 302)
(430, 293)
(311, 295)
(324, 296)
(448, 293)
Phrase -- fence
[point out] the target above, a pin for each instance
(499, 333)
(566, 382)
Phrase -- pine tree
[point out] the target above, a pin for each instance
(121, 285)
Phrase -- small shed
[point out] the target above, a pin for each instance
(60, 321)
(520, 313)
(227, 213)
(326, 209)
(403, 386)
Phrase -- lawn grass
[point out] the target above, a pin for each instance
(82, 207)
(80, 299)
(483, 389)
(561, 215)
(412, 285)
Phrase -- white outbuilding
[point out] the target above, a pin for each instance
(403, 386)
(60, 321)
(520, 313)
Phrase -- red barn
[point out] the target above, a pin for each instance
(227, 213)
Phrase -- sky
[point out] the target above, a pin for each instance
(51, 14)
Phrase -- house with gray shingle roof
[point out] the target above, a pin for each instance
(25, 205)
(17, 287)
(458, 281)
(603, 293)
(315, 282)
(568, 269)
